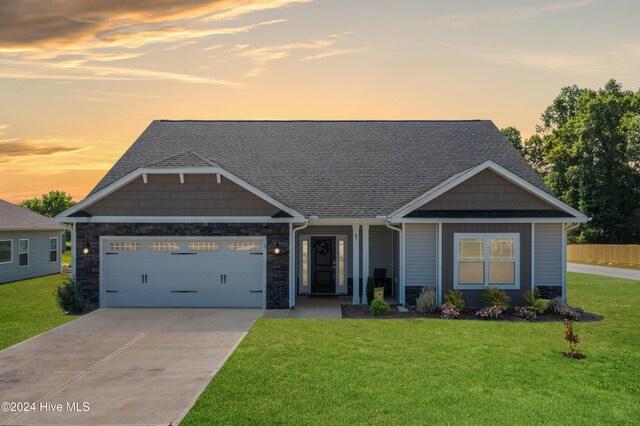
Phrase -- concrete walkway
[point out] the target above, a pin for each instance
(630, 274)
(131, 366)
(312, 307)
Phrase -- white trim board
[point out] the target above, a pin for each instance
(510, 176)
(64, 216)
(487, 220)
(182, 219)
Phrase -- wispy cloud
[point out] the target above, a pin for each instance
(30, 25)
(508, 14)
(3, 128)
(13, 149)
(263, 55)
(331, 53)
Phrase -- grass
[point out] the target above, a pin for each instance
(289, 371)
(28, 308)
(66, 256)
(610, 265)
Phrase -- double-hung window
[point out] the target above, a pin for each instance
(6, 251)
(486, 260)
(53, 249)
(23, 253)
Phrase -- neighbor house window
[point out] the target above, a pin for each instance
(53, 250)
(486, 260)
(6, 251)
(23, 252)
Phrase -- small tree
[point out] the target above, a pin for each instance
(573, 341)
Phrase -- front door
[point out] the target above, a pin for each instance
(323, 265)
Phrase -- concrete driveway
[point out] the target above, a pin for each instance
(629, 274)
(130, 366)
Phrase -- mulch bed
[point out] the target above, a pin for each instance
(362, 312)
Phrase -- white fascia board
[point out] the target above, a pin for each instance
(63, 217)
(183, 219)
(347, 221)
(510, 176)
(489, 220)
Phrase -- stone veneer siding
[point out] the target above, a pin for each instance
(411, 293)
(549, 291)
(88, 266)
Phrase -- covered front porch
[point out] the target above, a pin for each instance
(331, 263)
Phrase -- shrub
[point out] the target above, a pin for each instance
(449, 311)
(556, 305)
(71, 298)
(525, 313)
(534, 303)
(495, 297)
(379, 307)
(426, 302)
(490, 312)
(455, 299)
(570, 314)
(370, 285)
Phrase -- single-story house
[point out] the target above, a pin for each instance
(260, 213)
(31, 245)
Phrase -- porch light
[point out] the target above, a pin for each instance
(86, 249)
(277, 250)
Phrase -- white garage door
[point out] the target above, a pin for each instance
(183, 272)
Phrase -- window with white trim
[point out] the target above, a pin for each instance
(6, 251)
(23, 252)
(486, 260)
(53, 249)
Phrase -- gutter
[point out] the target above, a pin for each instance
(401, 260)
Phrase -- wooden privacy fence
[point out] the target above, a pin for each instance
(624, 254)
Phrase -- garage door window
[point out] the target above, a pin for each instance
(203, 246)
(164, 246)
(124, 246)
(250, 245)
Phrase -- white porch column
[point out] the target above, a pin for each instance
(365, 261)
(356, 264)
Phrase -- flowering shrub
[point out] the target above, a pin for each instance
(454, 298)
(449, 311)
(556, 305)
(491, 312)
(570, 314)
(525, 313)
(495, 297)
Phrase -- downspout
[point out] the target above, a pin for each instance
(292, 261)
(400, 258)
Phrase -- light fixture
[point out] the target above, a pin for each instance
(86, 249)
(277, 250)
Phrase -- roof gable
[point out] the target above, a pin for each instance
(14, 217)
(329, 169)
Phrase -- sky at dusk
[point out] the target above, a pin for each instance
(81, 79)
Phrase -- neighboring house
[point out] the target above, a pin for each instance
(31, 245)
(257, 213)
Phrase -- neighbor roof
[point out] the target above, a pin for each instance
(15, 218)
(338, 169)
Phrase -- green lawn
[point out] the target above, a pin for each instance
(28, 308)
(66, 256)
(436, 371)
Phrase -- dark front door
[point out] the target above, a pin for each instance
(323, 265)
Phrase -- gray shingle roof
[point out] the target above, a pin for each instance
(13, 217)
(329, 168)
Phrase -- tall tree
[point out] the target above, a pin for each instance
(588, 151)
(51, 204)
(514, 136)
